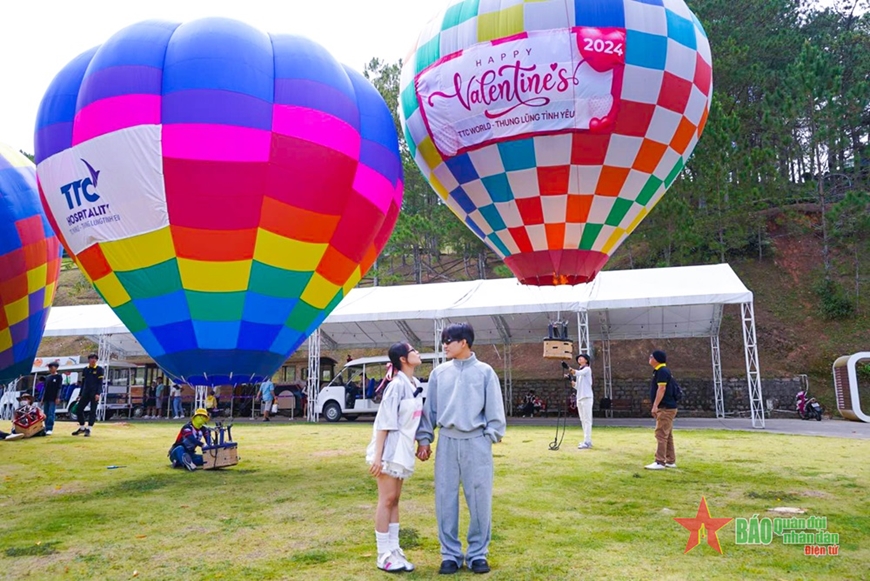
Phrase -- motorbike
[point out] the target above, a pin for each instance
(808, 408)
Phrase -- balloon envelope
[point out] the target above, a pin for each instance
(29, 265)
(223, 188)
(552, 128)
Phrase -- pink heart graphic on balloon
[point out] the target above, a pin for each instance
(554, 66)
(602, 48)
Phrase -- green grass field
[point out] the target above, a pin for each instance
(300, 505)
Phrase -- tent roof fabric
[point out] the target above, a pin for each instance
(653, 303)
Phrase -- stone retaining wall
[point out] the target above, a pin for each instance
(778, 394)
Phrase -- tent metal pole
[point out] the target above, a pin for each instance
(508, 393)
(753, 373)
(199, 394)
(104, 355)
(717, 376)
(608, 377)
(313, 375)
(583, 343)
(439, 347)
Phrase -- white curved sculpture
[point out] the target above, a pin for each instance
(846, 386)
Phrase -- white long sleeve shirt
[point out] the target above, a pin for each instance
(583, 382)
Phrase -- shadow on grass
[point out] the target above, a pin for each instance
(32, 550)
(772, 495)
(315, 557)
(139, 485)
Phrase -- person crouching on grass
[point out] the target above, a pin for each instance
(26, 414)
(391, 453)
(182, 453)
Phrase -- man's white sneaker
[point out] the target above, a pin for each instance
(401, 554)
(391, 563)
(584, 446)
(655, 466)
(47, 432)
(674, 465)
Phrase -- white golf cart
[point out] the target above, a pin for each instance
(350, 393)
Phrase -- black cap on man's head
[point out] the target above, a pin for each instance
(660, 356)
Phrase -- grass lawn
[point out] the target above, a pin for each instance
(300, 505)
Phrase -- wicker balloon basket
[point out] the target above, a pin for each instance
(558, 349)
(220, 456)
(30, 430)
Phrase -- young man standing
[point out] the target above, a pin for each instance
(92, 388)
(158, 397)
(464, 400)
(582, 379)
(267, 395)
(53, 385)
(664, 410)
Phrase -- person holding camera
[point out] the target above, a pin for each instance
(582, 382)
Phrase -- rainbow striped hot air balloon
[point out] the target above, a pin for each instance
(29, 265)
(552, 127)
(223, 188)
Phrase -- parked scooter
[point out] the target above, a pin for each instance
(807, 409)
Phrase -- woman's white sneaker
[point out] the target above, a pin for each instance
(401, 555)
(391, 563)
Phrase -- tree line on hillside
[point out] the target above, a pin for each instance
(786, 143)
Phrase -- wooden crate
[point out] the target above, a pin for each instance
(220, 456)
(558, 349)
(31, 430)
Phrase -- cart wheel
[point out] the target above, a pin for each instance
(332, 411)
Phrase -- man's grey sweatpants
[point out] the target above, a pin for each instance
(469, 462)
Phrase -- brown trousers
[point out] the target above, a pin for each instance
(665, 453)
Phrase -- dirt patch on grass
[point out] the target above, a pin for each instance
(66, 488)
(330, 453)
(813, 494)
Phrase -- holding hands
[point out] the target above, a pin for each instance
(423, 452)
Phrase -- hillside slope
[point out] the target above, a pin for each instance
(793, 337)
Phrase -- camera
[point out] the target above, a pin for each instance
(564, 365)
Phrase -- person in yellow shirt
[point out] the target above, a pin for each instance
(211, 403)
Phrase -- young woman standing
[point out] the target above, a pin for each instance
(391, 452)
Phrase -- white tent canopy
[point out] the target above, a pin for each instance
(633, 304)
(97, 322)
(663, 302)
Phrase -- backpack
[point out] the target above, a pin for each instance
(676, 390)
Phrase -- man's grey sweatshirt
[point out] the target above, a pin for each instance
(464, 400)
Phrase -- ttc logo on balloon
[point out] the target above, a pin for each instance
(74, 191)
(78, 192)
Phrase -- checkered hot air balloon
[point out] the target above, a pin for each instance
(223, 188)
(553, 127)
(29, 265)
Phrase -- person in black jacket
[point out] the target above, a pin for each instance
(92, 388)
(53, 385)
(664, 410)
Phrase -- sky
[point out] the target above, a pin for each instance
(39, 37)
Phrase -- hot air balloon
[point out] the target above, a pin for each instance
(552, 128)
(29, 265)
(222, 188)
